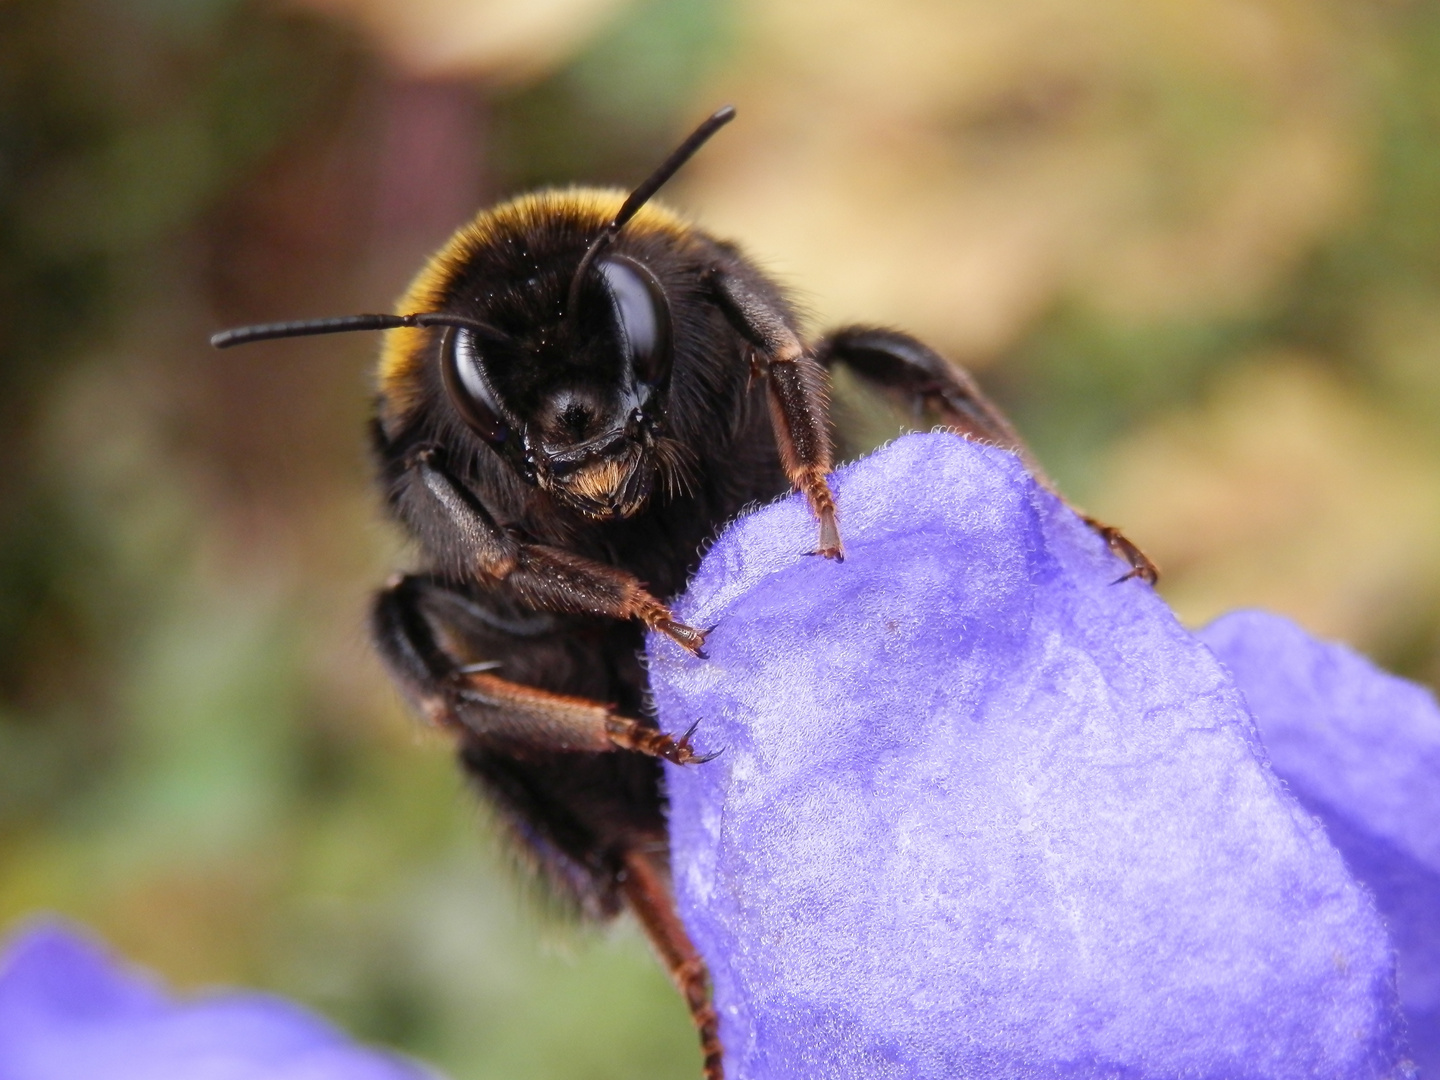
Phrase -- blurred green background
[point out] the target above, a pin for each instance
(1194, 247)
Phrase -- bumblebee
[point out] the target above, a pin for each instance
(580, 391)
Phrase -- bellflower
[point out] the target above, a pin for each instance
(980, 811)
(69, 1012)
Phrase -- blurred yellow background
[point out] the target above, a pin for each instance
(1193, 247)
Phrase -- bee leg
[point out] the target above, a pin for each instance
(472, 702)
(649, 897)
(490, 705)
(798, 393)
(1140, 565)
(913, 372)
(471, 544)
(556, 580)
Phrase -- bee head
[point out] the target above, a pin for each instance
(584, 395)
(558, 359)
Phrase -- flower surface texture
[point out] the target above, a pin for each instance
(982, 812)
(69, 1012)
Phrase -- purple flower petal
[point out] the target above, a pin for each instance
(69, 1012)
(1361, 751)
(982, 813)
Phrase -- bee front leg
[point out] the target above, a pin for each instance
(557, 580)
(798, 392)
(470, 544)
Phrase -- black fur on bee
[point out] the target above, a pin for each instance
(580, 391)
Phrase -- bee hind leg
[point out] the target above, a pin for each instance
(649, 896)
(915, 374)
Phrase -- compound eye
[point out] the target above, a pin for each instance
(468, 388)
(642, 316)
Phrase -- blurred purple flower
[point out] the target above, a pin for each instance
(1360, 749)
(68, 1011)
(983, 813)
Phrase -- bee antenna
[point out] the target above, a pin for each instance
(344, 324)
(642, 194)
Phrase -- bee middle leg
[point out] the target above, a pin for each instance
(907, 369)
(586, 814)
(412, 620)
